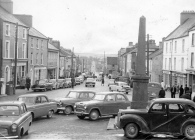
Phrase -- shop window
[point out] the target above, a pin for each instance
(22, 71)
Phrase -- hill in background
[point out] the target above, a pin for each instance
(96, 55)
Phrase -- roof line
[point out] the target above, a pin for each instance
(39, 32)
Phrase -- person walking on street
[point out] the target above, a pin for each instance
(73, 82)
(181, 91)
(173, 91)
(28, 83)
(102, 81)
(162, 93)
(186, 89)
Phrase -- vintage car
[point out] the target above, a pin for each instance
(170, 116)
(77, 81)
(39, 105)
(153, 90)
(62, 83)
(56, 84)
(15, 120)
(66, 104)
(42, 84)
(90, 82)
(104, 103)
(111, 82)
(120, 87)
(81, 77)
(68, 82)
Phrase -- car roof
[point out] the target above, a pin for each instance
(173, 100)
(11, 103)
(32, 95)
(109, 92)
(81, 91)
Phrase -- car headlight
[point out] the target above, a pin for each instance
(85, 106)
(14, 127)
(75, 106)
(153, 94)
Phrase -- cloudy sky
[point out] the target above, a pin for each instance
(95, 26)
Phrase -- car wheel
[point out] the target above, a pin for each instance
(93, 86)
(81, 117)
(94, 115)
(189, 131)
(85, 85)
(131, 130)
(68, 110)
(50, 114)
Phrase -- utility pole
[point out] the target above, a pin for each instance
(72, 63)
(1, 64)
(104, 63)
(15, 68)
(64, 66)
(83, 65)
(148, 54)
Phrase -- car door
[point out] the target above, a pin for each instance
(38, 109)
(24, 120)
(122, 102)
(91, 95)
(45, 105)
(157, 118)
(109, 105)
(177, 116)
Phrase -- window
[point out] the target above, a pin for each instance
(41, 58)
(83, 95)
(176, 108)
(31, 61)
(37, 44)
(110, 98)
(175, 46)
(43, 99)
(7, 49)
(166, 47)
(38, 100)
(193, 39)
(37, 58)
(41, 44)
(22, 109)
(91, 95)
(22, 71)
(170, 47)
(24, 33)
(182, 64)
(190, 109)
(23, 50)
(183, 45)
(158, 107)
(31, 42)
(192, 60)
(175, 63)
(120, 98)
(7, 30)
(165, 63)
(169, 63)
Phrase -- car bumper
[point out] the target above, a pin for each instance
(82, 113)
(60, 108)
(38, 88)
(90, 84)
(9, 137)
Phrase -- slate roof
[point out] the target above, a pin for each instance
(112, 60)
(6, 16)
(36, 33)
(156, 53)
(181, 30)
(52, 47)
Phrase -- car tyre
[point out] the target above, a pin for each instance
(68, 110)
(50, 114)
(131, 130)
(85, 85)
(94, 115)
(81, 117)
(189, 131)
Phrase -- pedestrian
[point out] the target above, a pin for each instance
(73, 82)
(177, 89)
(186, 89)
(181, 91)
(102, 81)
(162, 93)
(28, 83)
(173, 91)
(186, 95)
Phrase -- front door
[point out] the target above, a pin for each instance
(121, 102)
(109, 104)
(158, 118)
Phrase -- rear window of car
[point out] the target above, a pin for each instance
(9, 110)
(27, 100)
(41, 82)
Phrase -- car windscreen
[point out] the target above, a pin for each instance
(9, 110)
(42, 82)
(27, 100)
(90, 79)
(73, 94)
(99, 97)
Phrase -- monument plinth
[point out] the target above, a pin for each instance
(140, 80)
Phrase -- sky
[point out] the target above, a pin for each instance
(95, 26)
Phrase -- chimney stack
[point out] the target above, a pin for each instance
(7, 5)
(26, 19)
(186, 15)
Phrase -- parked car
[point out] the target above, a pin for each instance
(56, 84)
(62, 83)
(68, 82)
(153, 90)
(15, 120)
(77, 81)
(39, 105)
(99, 78)
(111, 82)
(90, 82)
(173, 116)
(104, 103)
(42, 84)
(66, 104)
(81, 78)
(120, 87)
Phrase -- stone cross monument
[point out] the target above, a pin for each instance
(140, 80)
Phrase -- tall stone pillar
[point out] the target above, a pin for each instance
(140, 80)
